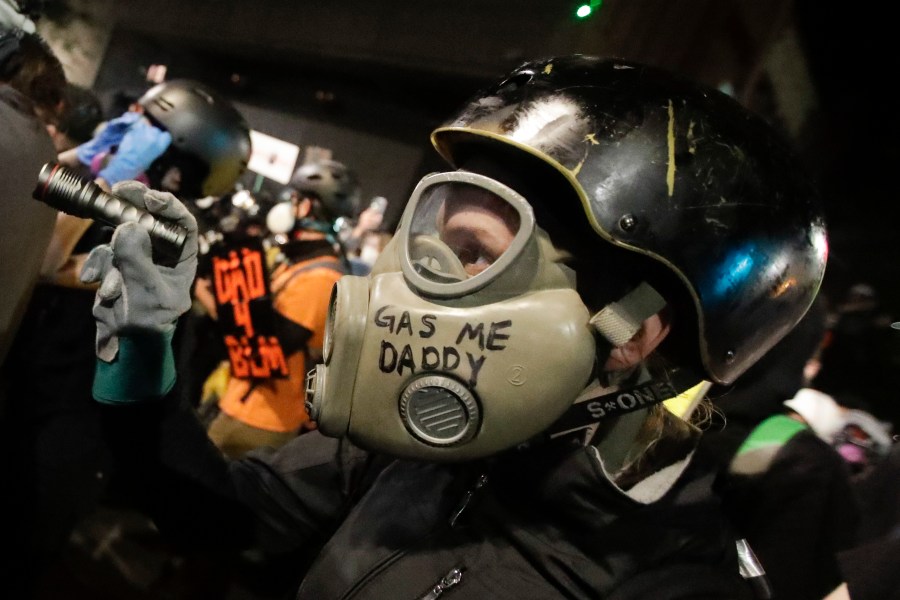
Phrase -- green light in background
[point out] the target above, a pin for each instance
(587, 9)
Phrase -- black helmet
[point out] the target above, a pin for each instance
(333, 184)
(671, 181)
(210, 140)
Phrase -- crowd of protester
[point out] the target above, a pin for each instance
(802, 445)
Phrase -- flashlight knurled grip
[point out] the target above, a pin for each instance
(65, 190)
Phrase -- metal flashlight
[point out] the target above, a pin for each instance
(70, 193)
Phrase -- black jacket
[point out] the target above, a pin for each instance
(541, 523)
(797, 516)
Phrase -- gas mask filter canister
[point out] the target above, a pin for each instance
(468, 337)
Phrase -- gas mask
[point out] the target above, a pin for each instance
(281, 219)
(468, 337)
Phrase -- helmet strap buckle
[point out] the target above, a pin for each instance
(619, 321)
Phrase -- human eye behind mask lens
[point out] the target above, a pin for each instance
(479, 227)
(472, 253)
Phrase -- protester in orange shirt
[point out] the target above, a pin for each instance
(258, 410)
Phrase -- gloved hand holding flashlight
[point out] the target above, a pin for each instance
(139, 301)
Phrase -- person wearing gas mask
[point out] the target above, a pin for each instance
(262, 403)
(491, 402)
(57, 447)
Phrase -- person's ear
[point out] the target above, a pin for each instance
(653, 331)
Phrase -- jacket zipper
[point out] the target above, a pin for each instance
(467, 499)
(447, 581)
(452, 578)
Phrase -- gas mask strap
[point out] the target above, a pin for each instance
(619, 321)
(592, 410)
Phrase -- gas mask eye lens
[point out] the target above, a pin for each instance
(460, 225)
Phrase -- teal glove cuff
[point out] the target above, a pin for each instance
(144, 369)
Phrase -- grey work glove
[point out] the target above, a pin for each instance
(138, 300)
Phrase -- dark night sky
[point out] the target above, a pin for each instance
(853, 142)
